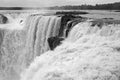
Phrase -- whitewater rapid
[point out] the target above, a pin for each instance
(88, 53)
(22, 41)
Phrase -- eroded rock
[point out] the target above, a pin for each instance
(64, 20)
(54, 42)
(3, 19)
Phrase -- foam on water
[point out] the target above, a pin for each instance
(22, 41)
(13, 23)
(89, 53)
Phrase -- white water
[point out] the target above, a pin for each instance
(20, 43)
(89, 53)
(13, 23)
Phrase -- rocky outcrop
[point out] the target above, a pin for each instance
(3, 19)
(72, 23)
(72, 12)
(64, 20)
(54, 42)
(68, 21)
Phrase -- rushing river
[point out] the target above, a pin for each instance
(92, 13)
(88, 53)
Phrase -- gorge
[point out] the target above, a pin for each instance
(59, 47)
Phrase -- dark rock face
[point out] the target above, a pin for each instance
(3, 19)
(68, 21)
(72, 12)
(54, 42)
(72, 23)
(64, 21)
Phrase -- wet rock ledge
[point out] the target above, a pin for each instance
(3, 19)
(67, 23)
(69, 20)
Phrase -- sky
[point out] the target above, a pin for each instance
(47, 3)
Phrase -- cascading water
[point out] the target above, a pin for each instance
(21, 44)
(40, 29)
(88, 53)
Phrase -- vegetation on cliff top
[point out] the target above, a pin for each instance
(110, 6)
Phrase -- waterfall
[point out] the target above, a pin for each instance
(21, 44)
(88, 53)
(41, 28)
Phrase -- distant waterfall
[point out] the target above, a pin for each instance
(89, 53)
(19, 47)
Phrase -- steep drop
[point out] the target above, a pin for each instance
(21, 44)
(89, 53)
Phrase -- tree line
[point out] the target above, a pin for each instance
(110, 6)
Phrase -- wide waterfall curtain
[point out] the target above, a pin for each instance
(59, 39)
